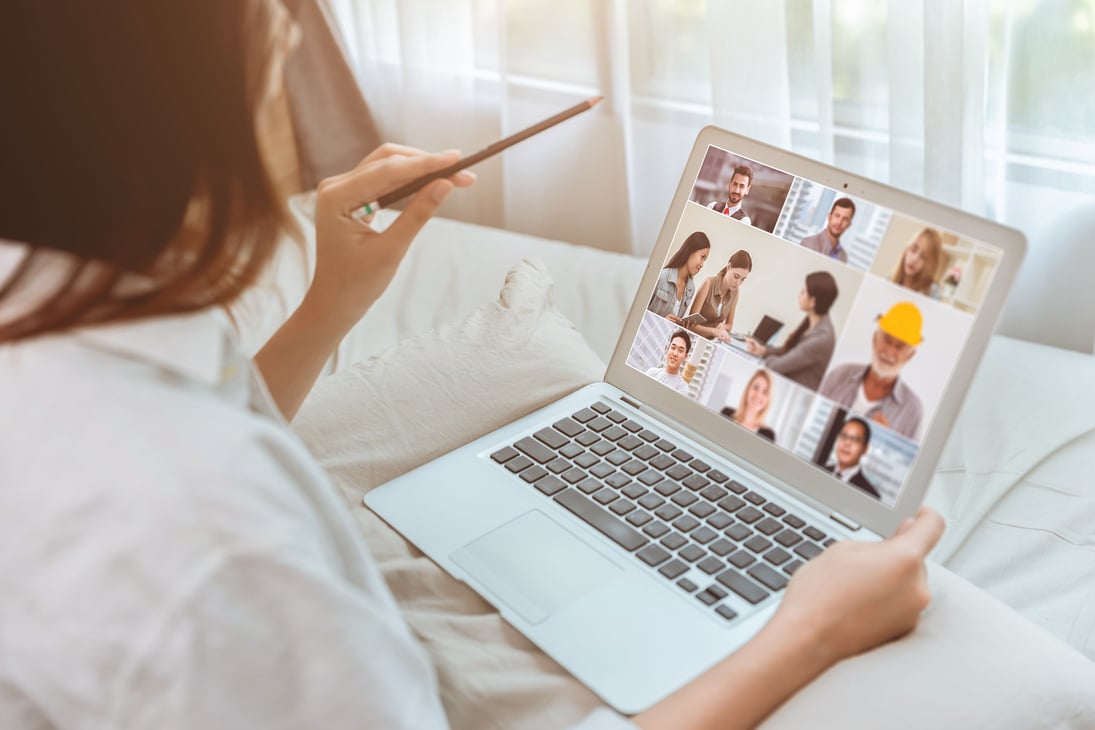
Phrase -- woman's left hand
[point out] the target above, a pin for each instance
(355, 263)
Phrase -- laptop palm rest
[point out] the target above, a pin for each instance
(534, 565)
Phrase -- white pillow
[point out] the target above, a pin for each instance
(973, 662)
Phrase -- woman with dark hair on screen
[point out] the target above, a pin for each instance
(805, 355)
(676, 282)
(174, 557)
(717, 299)
(753, 406)
(919, 264)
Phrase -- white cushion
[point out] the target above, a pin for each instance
(973, 662)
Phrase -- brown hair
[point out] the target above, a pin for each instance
(134, 150)
(933, 255)
(696, 241)
(822, 287)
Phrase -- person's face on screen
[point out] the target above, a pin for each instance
(805, 301)
(697, 260)
(839, 220)
(675, 354)
(914, 258)
(734, 278)
(850, 445)
(889, 354)
(757, 399)
(738, 188)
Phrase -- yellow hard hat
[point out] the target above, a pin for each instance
(903, 321)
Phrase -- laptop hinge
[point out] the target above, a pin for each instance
(631, 403)
(841, 519)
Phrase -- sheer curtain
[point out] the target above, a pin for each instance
(983, 104)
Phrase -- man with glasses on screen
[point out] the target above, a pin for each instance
(851, 445)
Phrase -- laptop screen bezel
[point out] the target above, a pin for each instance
(764, 458)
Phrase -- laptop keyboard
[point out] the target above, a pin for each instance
(692, 524)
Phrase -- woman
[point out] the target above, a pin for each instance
(717, 299)
(805, 355)
(753, 406)
(676, 282)
(919, 263)
(174, 558)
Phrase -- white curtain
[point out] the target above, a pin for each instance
(987, 105)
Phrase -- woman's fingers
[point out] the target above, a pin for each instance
(388, 149)
(368, 182)
(923, 532)
(421, 208)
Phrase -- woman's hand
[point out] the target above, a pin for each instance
(354, 263)
(721, 332)
(857, 595)
(755, 348)
(674, 319)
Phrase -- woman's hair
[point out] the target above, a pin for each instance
(741, 260)
(739, 415)
(696, 241)
(822, 287)
(131, 141)
(933, 255)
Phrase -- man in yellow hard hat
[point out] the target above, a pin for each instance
(874, 389)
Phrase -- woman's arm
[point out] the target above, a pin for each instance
(851, 598)
(807, 352)
(697, 305)
(354, 264)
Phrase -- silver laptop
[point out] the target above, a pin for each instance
(636, 530)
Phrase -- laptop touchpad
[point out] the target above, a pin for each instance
(535, 565)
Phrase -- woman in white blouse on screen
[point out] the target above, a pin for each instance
(172, 557)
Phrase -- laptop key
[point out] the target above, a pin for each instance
(653, 555)
(791, 567)
(721, 547)
(589, 485)
(680, 473)
(531, 475)
(768, 526)
(717, 476)
(618, 480)
(731, 504)
(586, 460)
(617, 457)
(757, 544)
(666, 488)
(600, 407)
(737, 532)
(701, 509)
(794, 521)
(767, 576)
(648, 436)
(571, 450)
(535, 450)
(719, 520)
(691, 553)
(630, 442)
(686, 523)
(735, 487)
(550, 485)
(710, 565)
(704, 535)
(673, 569)
(741, 585)
(674, 540)
(602, 470)
(713, 493)
(774, 509)
(609, 525)
(749, 515)
(569, 426)
(777, 556)
(599, 424)
(551, 437)
(828, 542)
(741, 559)
(662, 462)
(807, 550)
(696, 482)
(587, 438)
(651, 502)
(656, 529)
(614, 434)
(558, 465)
(648, 477)
(686, 585)
(666, 445)
(622, 507)
(646, 452)
(684, 499)
(573, 475)
(707, 598)
(700, 466)
(639, 518)
(682, 456)
(668, 513)
(717, 591)
(585, 415)
(631, 426)
(788, 538)
(615, 416)
(634, 491)
(814, 534)
(519, 464)
(503, 455)
(605, 496)
(726, 612)
(754, 498)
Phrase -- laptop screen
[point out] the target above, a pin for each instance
(878, 306)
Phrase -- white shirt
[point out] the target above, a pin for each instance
(673, 380)
(172, 557)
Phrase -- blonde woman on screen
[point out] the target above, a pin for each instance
(919, 264)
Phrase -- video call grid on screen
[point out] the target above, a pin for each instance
(818, 412)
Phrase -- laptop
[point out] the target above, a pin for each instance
(765, 330)
(637, 535)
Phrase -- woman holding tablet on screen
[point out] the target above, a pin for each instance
(676, 282)
(717, 299)
(805, 355)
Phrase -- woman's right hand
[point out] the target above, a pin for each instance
(858, 595)
(755, 348)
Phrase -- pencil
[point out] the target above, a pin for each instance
(490, 150)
